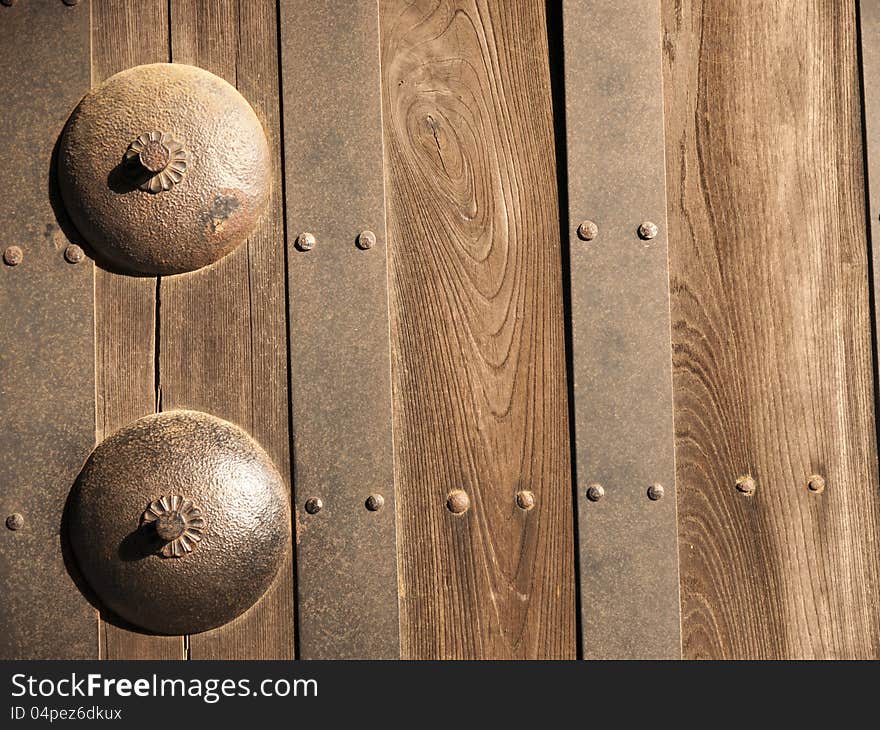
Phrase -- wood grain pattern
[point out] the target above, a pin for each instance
(223, 328)
(124, 305)
(771, 330)
(477, 331)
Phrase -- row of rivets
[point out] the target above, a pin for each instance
(588, 230)
(13, 255)
(746, 485)
(373, 503)
(365, 240)
(457, 501)
(595, 492)
(69, 3)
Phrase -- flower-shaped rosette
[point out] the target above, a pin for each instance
(178, 524)
(162, 157)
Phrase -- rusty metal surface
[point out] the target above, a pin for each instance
(621, 330)
(164, 168)
(179, 522)
(47, 361)
(339, 332)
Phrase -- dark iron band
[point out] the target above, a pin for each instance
(47, 350)
(869, 39)
(621, 330)
(346, 551)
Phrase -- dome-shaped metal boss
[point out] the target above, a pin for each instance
(179, 522)
(164, 168)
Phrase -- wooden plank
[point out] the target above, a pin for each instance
(621, 353)
(125, 306)
(771, 330)
(223, 330)
(47, 396)
(477, 330)
(346, 554)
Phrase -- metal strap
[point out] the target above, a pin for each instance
(47, 351)
(621, 330)
(869, 32)
(340, 374)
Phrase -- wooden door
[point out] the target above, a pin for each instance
(771, 325)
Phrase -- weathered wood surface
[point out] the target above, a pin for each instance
(771, 330)
(477, 329)
(223, 331)
(125, 306)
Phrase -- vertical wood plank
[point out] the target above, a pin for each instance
(477, 331)
(771, 330)
(223, 328)
(126, 35)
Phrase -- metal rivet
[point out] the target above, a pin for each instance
(648, 230)
(375, 502)
(746, 485)
(458, 502)
(816, 483)
(13, 256)
(525, 500)
(595, 492)
(70, 3)
(305, 241)
(365, 240)
(15, 521)
(587, 231)
(655, 492)
(73, 254)
(314, 505)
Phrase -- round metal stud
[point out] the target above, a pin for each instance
(164, 168)
(595, 492)
(375, 502)
(305, 242)
(525, 500)
(15, 521)
(179, 522)
(587, 231)
(655, 492)
(366, 240)
(458, 502)
(746, 485)
(73, 254)
(13, 256)
(314, 505)
(816, 484)
(648, 230)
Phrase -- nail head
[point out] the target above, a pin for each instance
(13, 256)
(73, 254)
(525, 500)
(648, 230)
(595, 492)
(458, 502)
(746, 485)
(305, 241)
(587, 231)
(816, 483)
(366, 240)
(15, 521)
(655, 492)
(375, 502)
(314, 505)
